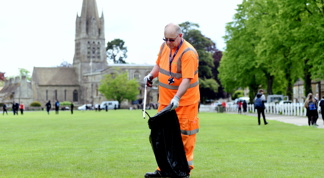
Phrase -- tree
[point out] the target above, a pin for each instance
(24, 72)
(119, 87)
(217, 58)
(116, 51)
(238, 67)
(205, 48)
(65, 64)
(270, 44)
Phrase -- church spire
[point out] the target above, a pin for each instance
(90, 52)
(91, 24)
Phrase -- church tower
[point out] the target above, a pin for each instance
(90, 52)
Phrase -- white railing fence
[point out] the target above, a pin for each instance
(289, 109)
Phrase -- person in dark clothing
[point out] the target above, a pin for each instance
(15, 107)
(316, 116)
(259, 105)
(321, 105)
(57, 106)
(48, 106)
(244, 106)
(4, 107)
(72, 107)
(106, 107)
(311, 112)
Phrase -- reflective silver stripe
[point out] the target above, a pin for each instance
(173, 87)
(179, 59)
(176, 75)
(189, 132)
(190, 163)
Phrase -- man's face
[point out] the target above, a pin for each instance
(172, 39)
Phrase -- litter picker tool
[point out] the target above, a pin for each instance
(144, 102)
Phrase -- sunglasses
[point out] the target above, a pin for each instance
(170, 39)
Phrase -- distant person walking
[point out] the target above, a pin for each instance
(4, 107)
(244, 106)
(57, 106)
(22, 108)
(311, 112)
(239, 105)
(321, 105)
(260, 107)
(72, 107)
(15, 107)
(48, 106)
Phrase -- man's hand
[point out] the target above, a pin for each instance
(174, 102)
(148, 80)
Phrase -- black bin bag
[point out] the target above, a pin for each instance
(166, 142)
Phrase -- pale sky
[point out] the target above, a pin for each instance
(40, 33)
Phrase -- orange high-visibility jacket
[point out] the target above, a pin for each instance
(184, 65)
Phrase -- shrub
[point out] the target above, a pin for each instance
(35, 104)
(65, 103)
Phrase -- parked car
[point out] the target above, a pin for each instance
(65, 108)
(86, 107)
(284, 102)
(110, 104)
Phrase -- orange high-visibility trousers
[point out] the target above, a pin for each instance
(189, 126)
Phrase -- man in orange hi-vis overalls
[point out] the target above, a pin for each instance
(177, 71)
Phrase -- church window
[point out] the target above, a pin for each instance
(136, 75)
(46, 95)
(64, 95)
(55, 94)
(75, 96)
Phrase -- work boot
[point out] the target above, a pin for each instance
(158, 173)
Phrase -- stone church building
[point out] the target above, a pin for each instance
(78, 84)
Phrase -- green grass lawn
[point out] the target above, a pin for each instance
(115, 144)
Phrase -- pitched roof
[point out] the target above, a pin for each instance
(55, 76)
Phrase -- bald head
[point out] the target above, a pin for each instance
(172, 28)
(172, 32)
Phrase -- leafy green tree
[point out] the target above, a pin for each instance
(24, 72)
(119, 87)
(238, 67)
(117, 51)
(306, 19)
(270, 44)
(205, 48)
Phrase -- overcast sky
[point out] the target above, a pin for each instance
(40, 33)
